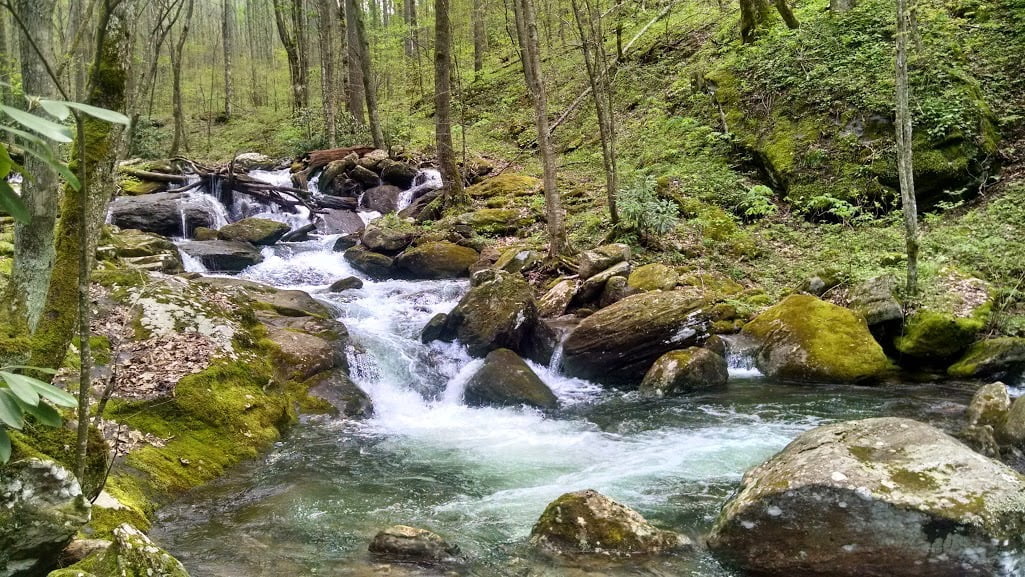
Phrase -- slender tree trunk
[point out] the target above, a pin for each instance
(409, 14)
(326, 13)
(788, 15)
(369, 92)
(454, 193)
(293, 40)
(753, 13)
(526, 27)
(177, 51)
(227, 31)
(34, 240)
(480, 35)
(905, 168)
(355, 92)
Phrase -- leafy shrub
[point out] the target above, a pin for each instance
(643, 211)
(757, 202)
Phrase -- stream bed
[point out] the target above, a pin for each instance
(481, 477)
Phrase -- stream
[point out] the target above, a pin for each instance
(480, 477)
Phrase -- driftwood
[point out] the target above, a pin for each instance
(154, 176)
(300, 233)
(320, 158)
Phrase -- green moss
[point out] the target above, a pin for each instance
(60, 444)
(914, 480)
(991, 358)
(132, 186)
(504, 186)
(937, 336)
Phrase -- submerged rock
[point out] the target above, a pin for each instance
(877, 497)
(497, 312)
(222, 255)
(505, 380)
(341, 285)
(259, 231)
(684, 371)
(618, 344)
(1001, 358)
(342, 394)
(807, 339)
(412, 545)
(437, 260)
(602, 258)
(41, 509)
(375, 264)
(587, 522)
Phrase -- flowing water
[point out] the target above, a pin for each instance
(482, 476)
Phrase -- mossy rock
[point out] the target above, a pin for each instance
(684, 371)
(259, 231)
(505, 185)
(655, 276)
(1000, 358)
(709, 286)
(989, 406)
(131, 554)
(931, 336)
(497, 312)
(132, 186)
(375, 264)
(495, 221)
(506, 381)
(518, 260)
(388, 236)
(807, 339)
(437, 260)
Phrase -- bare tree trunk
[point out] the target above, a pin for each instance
(454, 193)
(369, 92)
(526, 28)
(326, 13)
(409, 13)
(905, 169)
(788, 15)
(33, 241)
(293, 39)
(756, 13)
(480, 35)
(179, 140)
(227, 31)
(356, 95)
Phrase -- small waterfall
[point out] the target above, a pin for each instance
(426, 180)
(740, 357)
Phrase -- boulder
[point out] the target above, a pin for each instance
(259, 231)
(987, 417)
(685, 371)
(254, 161)
(875, 299)
(388, 238)
(222, 255)
(79, 549)
(41, 509)
(304, 355)
(333, 176)
(557, 299)
(497, 312)
(375, 264)
(506, 381)
(347, 399)
(338, 202)
(134, 244)
(161, 213)
(518, 260)
(601, 258)
(434, 328)
(495, 221)
(349, 282)
(421, 207)
(366, 178)
(204, 233)
(1000, 358)
(399, 174)
(373, 159)
(1013, 431)
(587, 522)
(436, 260)
(806, 339)
(406, 544)
(131, 554)
(383, 199)
(506, 184)
(618, 344)
(616, 289)
(338, 221)
(877, 497)
(936, 337)
(345, 242)
(655, 276)
(592, 288)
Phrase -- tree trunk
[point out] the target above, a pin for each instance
(905, 169)
(292, 39)
(409, 14)
(179, 140)
(788, 15)
(356, 95)
(454, 193)
(33, 241)
(326, 14)
(480, 35)
(753, 13)
(526, 28)
(841, 6)
(369, 92)
(227, 31)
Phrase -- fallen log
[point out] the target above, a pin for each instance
(299, 234)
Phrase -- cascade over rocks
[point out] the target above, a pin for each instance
(617, 344)
(259, 231)
(160, 213)
(41, 509)
(406, 544)
(399, 174)
(806, 339)
(506, 381)
(497, 312)
(587, 522)
(684, 371)
(375, 264)
(884, 497)
(222, 255)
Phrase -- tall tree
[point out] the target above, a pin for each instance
(34, 241)
(755, 14)
(176, 81)
(355, 94)
(411, 40)
(369, 90)
(289, 18)
(905, 168)
(227, 32)
(526, 28)
(454, 193)
(480, 35)
(326, 11)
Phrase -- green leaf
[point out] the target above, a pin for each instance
(10, 411)
(101, 113)
(58, 167)
(51, 130)
(45, 414)
(21, 386)
(56, 108)
(43, 370)
(5, 446)
(12, 204)
(6, 163)
(54, 395)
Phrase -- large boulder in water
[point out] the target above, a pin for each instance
(222, 255)
(388, 236)
(436, 260)
(1000, 358)
(41, 509)
(497, 312)
(259, 231)
(383, 199)
(161, 213)
(878, 497)
(587, 522)
(684, 371)
(506, 381)
(618, 344)
(412, 545)
(340, 221)
(806, 339)
(377, 265)
(399, 174)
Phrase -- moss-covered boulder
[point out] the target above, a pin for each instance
(140, 250)
(618, 344)
(936, 337)
(655, 276)
(881, 496)
(436, 260)
(345, 397)
(259, 231)
(404, 544)
(809, 340)
(497, 312)
(222, 255)
(684, 371)
(344, 284)
(41, 509)
(507, 184)
(1000, 358)
(555, 301)
(599, 259)
(518, 260)
(1013, 431)
(587, 522)
(495, 221)
(131, 554)
(616, 289)
(388, 236)
(374, 264)
(506, 381)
